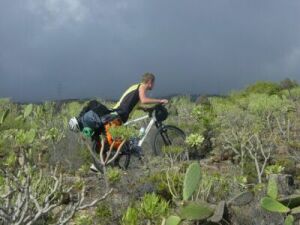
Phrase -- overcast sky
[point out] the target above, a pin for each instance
(53, 49)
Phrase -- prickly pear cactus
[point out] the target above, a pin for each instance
(289, 220)
(273, 205)
(195, 211)
(173, 220)
(191, 180)
(272, 187)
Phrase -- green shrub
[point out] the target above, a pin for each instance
(194, 140)
(73, 108)
(215, 186)
(123, 132)
(113, 174)
(130, 217)
(78, 185)
(84, 169)
(160, 182)
(83, 220)
(153, 207)
(274, 169)
(263, 87)
(11, 160)
(103, 213)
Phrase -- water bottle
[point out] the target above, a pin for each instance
(142, 132)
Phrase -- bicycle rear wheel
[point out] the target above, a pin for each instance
(123, 159)
(169, 135)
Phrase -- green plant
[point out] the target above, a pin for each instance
(3, 116)
(83, 220)
(27, 110)
(191, 180)
(167, 184)
(271, 203)
(103, 212)
(204, 115)
(196, 211)
(123, 132)
(84, 169)
(266, 87)
(289, 220)
(79, 184)
(130, 217)
(113, 174)
(11, 160)
(192, 210)
(272, 189)
(274, 169)
(217, 186)
(153, 207)
(173, 220)
(194, 140)
(72, 108)
(25, 138)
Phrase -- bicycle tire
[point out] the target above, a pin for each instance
(123, 159)
(163, 138)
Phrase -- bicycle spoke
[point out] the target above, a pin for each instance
(169, 136)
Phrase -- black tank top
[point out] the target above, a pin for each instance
(128, 101)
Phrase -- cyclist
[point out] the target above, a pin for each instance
(132, 97)
(135, 94)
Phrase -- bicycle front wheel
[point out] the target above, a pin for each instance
(168, 135)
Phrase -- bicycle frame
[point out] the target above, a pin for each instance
(148, 128)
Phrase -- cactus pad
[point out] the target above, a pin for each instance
(194, 211)
(191, 180)
(273, 205)
(272, 187)
(173, 220)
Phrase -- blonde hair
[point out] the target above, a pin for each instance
(148, 76)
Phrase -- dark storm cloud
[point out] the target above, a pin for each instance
(82, 48)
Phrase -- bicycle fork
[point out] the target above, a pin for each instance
(163, 133)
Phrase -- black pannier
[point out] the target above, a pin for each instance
(90, 115)
(95, 115)
(97, 107)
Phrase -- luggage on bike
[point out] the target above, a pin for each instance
(93, 118)
(89, 118)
